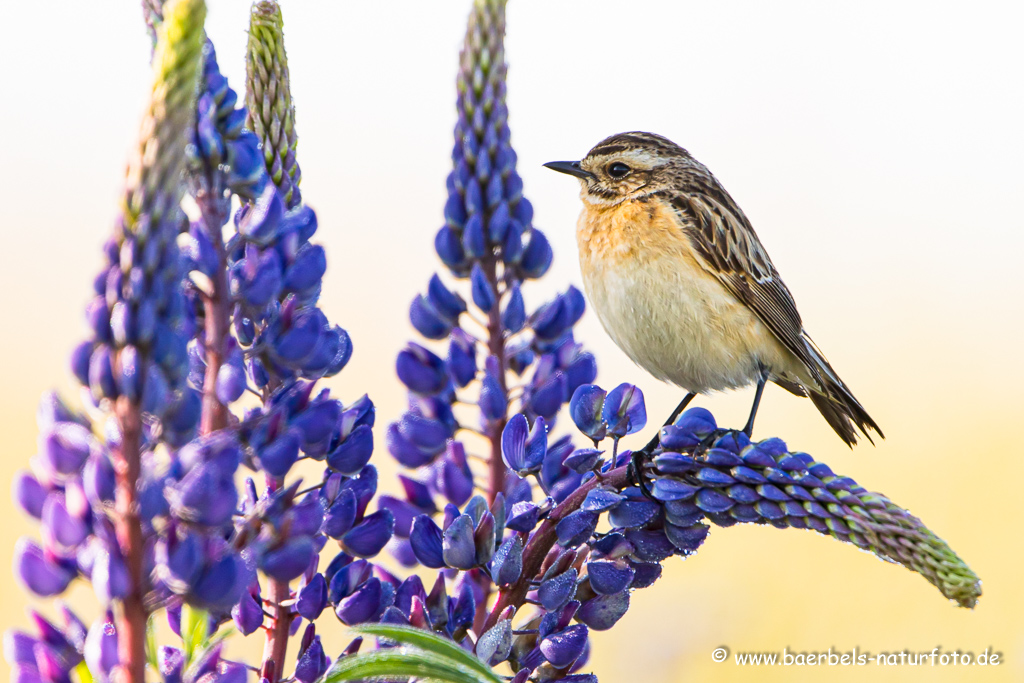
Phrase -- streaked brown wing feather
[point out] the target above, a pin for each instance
(723, 237)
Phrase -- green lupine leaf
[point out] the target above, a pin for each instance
(82, 673)
(404, 664)
(151, 656)
(204, 651)
(194, 623)
(430, 642)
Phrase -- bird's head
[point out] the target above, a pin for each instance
(626, 167)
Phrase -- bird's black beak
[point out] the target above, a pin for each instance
(570, 167)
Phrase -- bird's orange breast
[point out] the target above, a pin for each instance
(628, 234)
(662, 305)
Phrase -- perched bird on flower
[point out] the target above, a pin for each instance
(682, 284)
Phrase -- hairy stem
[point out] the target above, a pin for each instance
(215, 309)
(496, 347)
(496, 465)
(275, 647)
(131, 622)
(544, 538)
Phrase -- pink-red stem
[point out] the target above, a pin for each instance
(542, 541)
(131, 621)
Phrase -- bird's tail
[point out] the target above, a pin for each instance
(836, 402)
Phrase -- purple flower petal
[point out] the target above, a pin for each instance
(513, 442)
(39, 574)
(459, 550)
(101, 647)
(29, 494)
(362, 605)
(576, 528)
(563, 648)
(312, 663)
(483, 293)
(624, 410)
(352, 454)
(507, 564)
(537, 255)
(312, 598)
(602, 612)
(585, 407)
(514, 316)
(65, 447)
(426, 539)
(248, 614)
(557, 591)
(461, 358)
(341, 515)
(421, 370)
(608, 577)
(370, 536)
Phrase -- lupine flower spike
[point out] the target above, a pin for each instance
(177, 500)
(271, 114)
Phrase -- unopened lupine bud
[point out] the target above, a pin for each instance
(494, 646)
(564, 647)
(608, 577)
(312, 662)
(557, 591)
(269, 99)
(458, 546)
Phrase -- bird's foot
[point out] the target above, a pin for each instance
(709, 441)
(636, 471)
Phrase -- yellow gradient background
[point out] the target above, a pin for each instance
(877, 149)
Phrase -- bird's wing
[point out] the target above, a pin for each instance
(722, 236)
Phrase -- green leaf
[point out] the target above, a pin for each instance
(204, 651)
(82, 673)
(431, 642)
(194, 623)
(151, 656)
(404, 663)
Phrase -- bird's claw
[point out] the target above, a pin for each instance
(636, 471)
(701, 449)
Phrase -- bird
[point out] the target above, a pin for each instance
(682, 284)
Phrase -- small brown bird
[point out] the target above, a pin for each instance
(681, 282)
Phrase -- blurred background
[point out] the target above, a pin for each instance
(876, 148)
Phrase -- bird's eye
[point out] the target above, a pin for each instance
(618, 170)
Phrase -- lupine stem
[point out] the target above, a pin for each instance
(544, 538)
(275, 647)
(496, 347)
(153, 190)
(215, 309)
(131, 622)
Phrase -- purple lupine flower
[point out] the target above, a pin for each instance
(183, 324)
(488, 238)
(101, 647)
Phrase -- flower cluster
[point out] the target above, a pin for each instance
(175, 491)
(500, 358)
(141, 498)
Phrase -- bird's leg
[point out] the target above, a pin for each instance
(636, 462)
(761, 381)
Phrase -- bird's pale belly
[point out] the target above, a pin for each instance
(667, 313)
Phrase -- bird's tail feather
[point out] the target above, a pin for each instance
(836, 402)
